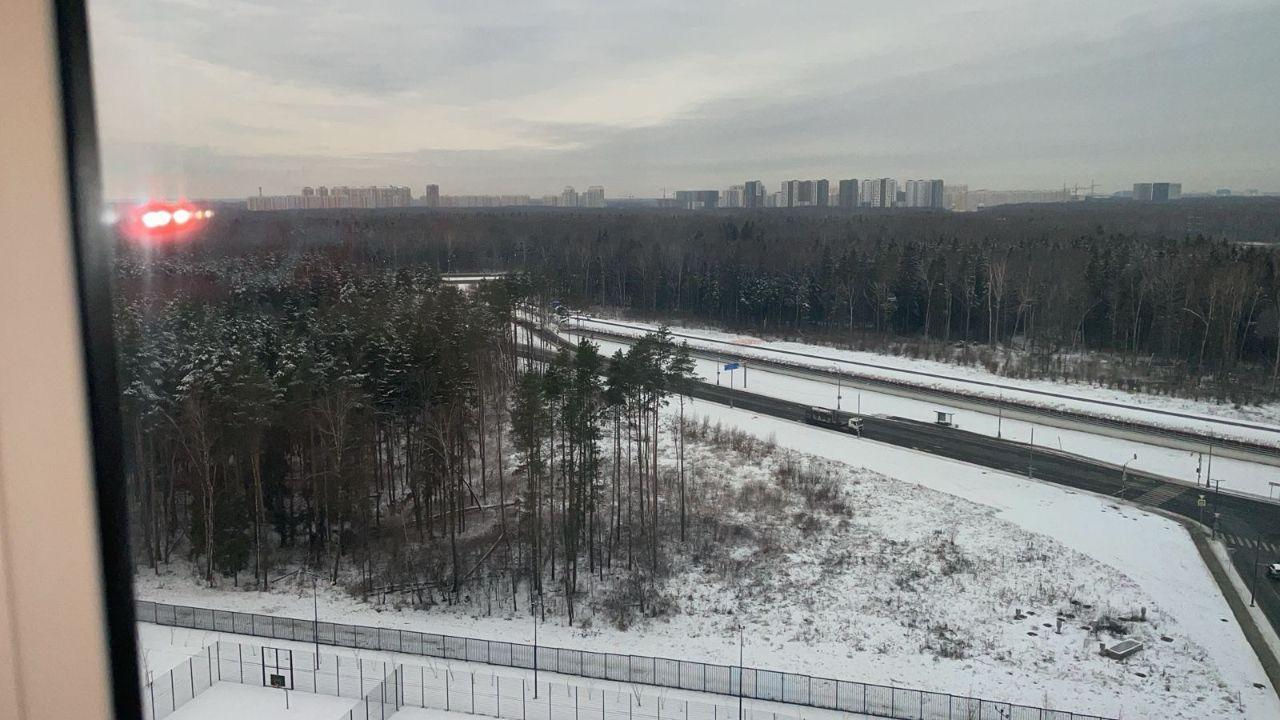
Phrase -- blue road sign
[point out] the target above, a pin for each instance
(731, 366)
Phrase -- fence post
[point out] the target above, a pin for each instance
(173, 693)
(446, 689)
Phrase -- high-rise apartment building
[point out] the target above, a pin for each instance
(822, 191)
(848, 194)
(732, 198)
(753, 194)
(430, 198)
(790, 193)
(880, 192)
(1157, 192)
(594, 197)
(337, 197)
(568, 197)
(698, 199)
(924, 193)
(806, 195)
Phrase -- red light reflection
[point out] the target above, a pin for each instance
(162, 221)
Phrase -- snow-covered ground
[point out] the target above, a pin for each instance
(436, 689)
(1228, 473)
(911, 579)
(247, 702)
(1090, 399)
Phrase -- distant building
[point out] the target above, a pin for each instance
(880, 192)
(430, 198)
(1222, 192)
(924, 194)
(822, 189)
(979, 199)
(1157, 191)
(805, 194)
(483, 201)
(594, 198)
(568, 197)
(790, 193)
(956, 198)
(337, 197)
(732, 198)
(753, 194)
(698, 199)
(847, 193)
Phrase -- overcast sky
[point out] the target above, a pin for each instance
(214, 98)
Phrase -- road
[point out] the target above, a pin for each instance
(1249, 527)
(1069, 419)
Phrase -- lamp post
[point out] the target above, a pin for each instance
(741, 674)
(839, 385)
(1124, 475)
(315, 606)
(535, 644)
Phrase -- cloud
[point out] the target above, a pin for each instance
(216, 98)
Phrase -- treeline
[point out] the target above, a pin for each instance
(585, 495)
(1164, 292)
(291, 403)
(391, 432)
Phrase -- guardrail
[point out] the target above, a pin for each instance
(754, 683)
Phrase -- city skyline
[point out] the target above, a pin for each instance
(524, 99)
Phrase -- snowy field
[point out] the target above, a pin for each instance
(435, 689)
(1229, 474)
(912, 579)
(1082, 398)
(227, 701)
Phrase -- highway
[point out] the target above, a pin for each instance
(1068, 419)
(1250, 527)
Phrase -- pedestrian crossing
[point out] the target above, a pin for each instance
(1251, 543)
(1160, 495)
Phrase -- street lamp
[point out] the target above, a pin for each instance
(537, 597)
(315, 606)
(1124, 475)
(741, 674)
(839, 385)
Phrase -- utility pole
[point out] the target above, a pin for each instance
(1000, 417)
(838, 388)
(1124, 475)
(741, 674)
(535, 646)
(1031, 456)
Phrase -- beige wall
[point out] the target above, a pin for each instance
(52, 633)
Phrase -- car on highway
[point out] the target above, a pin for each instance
(1273, 571)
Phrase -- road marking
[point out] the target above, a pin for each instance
(1160, 495)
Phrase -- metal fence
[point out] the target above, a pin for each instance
(759, 684)
(178, 686)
